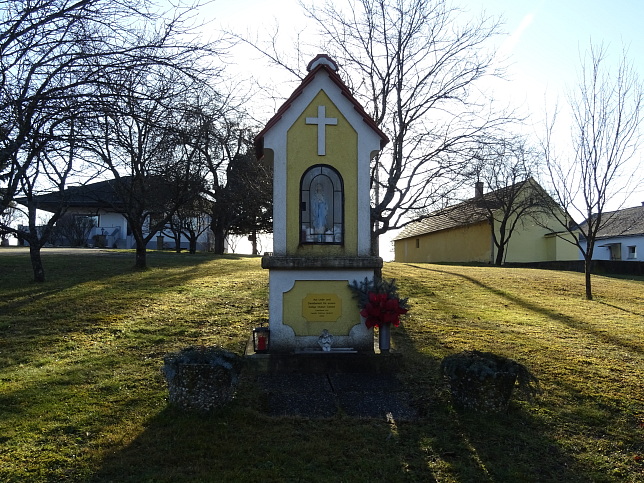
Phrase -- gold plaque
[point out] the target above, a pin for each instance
(321, 307)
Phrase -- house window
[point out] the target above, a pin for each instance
(321, 206)
(417, 242)
(632, 252)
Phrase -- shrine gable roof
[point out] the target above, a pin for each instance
(321, 64)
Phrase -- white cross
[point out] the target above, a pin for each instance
(322, 121)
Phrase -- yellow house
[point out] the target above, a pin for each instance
(466, 232)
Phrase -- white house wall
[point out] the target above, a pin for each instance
(115, 227)
(602, 251)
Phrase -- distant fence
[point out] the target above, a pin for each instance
(617, 267)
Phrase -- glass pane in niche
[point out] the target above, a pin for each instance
(330, 172)
(337, 233)
(337, 206)
(308, 177)
(321, 206)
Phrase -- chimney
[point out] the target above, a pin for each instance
(478, 190)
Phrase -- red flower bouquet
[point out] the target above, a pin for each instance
(381, 309)
(379, 302)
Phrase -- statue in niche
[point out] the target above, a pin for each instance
(319, 210)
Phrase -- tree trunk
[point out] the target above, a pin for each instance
(141, 256)
(220, 245)
(500, 252)
(36, 262)
(35, 244)
(220, 237)
(253, 239)
(193, 243)
(588, 267)
(499, 244)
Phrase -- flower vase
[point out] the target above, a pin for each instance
(384, 338)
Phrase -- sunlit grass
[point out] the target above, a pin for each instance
(589, 356)
(82, 397)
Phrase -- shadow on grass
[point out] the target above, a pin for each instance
(242, 443)
(572, 322)
(91, 301)
(473, 446)
(640, 314)
(93, 266)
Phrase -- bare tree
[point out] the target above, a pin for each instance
(506, 166)
(42, 164)
(140, 138)
(606, 112)
(224, 147)
(42, 44)
(250, 182)
(50, 51)
(415, 65)
(54, 54)
(190, 221)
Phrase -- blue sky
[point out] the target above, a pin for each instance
(546, 38)
(544, 41)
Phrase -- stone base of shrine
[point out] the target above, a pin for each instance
(310, 296)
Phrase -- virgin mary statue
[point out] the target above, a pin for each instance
(319, 209)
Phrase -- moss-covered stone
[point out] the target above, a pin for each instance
(482, 381)
(201, 379)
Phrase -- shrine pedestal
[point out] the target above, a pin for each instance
(309, 295)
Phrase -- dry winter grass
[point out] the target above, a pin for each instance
(82, 398)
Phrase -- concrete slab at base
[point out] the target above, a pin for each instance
(320, 362)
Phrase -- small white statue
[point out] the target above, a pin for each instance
(319, 210)
(325, 340)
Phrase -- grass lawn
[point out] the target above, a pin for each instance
(82, 397)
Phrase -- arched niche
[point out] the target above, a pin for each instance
(321, 206)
